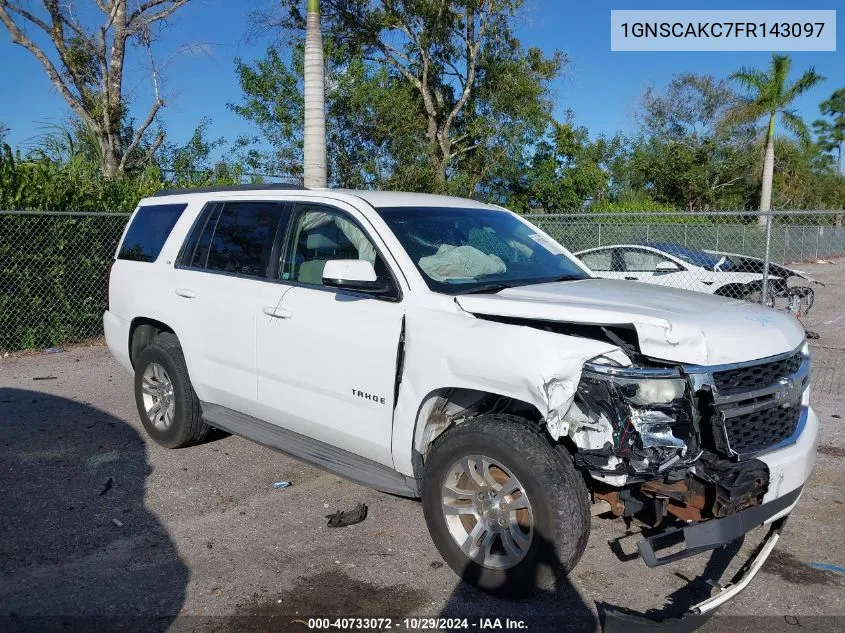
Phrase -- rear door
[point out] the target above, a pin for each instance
(221, 287)
(327, 362)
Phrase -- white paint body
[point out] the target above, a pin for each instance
(297, 356)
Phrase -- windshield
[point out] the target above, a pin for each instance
(691, 255)
(460, 250)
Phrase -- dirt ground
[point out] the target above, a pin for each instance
(96, 520)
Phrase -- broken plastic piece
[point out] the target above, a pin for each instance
(107, 486)
(350, 517)
(282, 484)
(54, 350)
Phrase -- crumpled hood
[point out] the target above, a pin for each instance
(674, 325)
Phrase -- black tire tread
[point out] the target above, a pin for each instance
(191, 429)
(564, 487)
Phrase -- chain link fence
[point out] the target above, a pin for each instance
(53, 266)
(746, 255)
(53, 276)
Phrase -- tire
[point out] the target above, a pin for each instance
(753, 293)
(556, 525)
(162, 362)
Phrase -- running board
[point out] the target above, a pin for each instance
(335, 460)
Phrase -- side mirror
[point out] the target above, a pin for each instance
(666, 267)
(354, 274)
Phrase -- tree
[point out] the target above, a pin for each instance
(480, 98)
(770, 95)
(367, 118)
(566, 170)
(831, 134)
(86, 65)
(687, 155)
(4, 132)
(314, 88)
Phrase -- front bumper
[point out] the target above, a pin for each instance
(789, 468)
(708, 535)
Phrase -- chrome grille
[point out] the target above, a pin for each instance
(756, 406)
(731, 381)
(759, 430)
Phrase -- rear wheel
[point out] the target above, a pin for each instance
(168, 407)
(754, 294)
(506, 509)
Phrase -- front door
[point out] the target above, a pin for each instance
(327, 361)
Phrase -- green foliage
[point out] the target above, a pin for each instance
(565, 170)
(410, 103)
(769, 94)
(831, 133)
(53, 269)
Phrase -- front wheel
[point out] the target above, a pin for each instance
(506, 509)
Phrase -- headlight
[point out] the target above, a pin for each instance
(641, 387)
(648, 391)
(650, 409)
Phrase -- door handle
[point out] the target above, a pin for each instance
(186, 293)
(277, 313)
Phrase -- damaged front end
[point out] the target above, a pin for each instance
(633, 424)
(645, 437)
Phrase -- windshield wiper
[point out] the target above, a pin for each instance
(493, 288)
(562, 278)
(487, 289)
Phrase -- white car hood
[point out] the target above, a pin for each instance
(671, 324)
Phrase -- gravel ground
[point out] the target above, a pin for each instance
(96, 520)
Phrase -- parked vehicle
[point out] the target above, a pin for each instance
(679, 266)
(446, 349)
(793, 290)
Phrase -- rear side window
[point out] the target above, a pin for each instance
(236, 237)
(149, 231)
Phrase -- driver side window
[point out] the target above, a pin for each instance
(319, 234)
(642, 261)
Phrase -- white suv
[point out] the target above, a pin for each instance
(446, 349)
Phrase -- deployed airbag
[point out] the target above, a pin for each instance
(460, 262)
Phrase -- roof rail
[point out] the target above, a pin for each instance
(253, 187)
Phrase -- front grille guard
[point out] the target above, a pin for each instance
(787, 391)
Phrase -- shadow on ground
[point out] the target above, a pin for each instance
(76, 541)
(560, 608)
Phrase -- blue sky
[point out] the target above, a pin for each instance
(602, 88)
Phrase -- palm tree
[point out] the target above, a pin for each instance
(770, 95)
(314, 90)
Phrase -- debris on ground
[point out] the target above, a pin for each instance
(282, 484)
(54, 350)
(97, 460)
(117, 522)
(436, 564)
(45, 377)
(107, 486)
(350, 517)
(836, 569)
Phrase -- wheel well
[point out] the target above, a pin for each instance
(737, 290)
(443, 408)
(141, 333)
